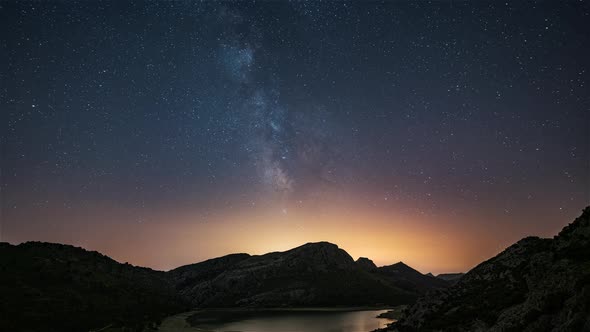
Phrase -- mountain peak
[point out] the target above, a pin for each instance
(401, 266)
(365, 263)
(321, 254)
(321, 244)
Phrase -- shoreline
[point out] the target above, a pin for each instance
(294, 309)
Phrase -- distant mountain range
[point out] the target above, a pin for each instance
(534, 285)
(315, 274)
(54, 287)
(451, 277)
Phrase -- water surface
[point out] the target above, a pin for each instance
(303, 321)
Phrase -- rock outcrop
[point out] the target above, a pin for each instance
(366, 264)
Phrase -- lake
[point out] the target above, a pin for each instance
(301, 321)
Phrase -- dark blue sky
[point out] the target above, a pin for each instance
(442, 110)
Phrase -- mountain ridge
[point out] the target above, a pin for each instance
(60, 287)
(313, 274)
(536, 284)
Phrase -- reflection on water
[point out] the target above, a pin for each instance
(306, 321)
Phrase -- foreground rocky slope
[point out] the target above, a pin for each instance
(315, 274)
(534, 285)
(54, 287)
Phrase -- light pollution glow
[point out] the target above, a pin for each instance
(168, 240)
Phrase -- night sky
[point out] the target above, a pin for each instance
(165, 133)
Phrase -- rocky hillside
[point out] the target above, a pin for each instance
(315, 274)
(534, 285)
(54, 287)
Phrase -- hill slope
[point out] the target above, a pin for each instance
(54, 287)
(534, 285)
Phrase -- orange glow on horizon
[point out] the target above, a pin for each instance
(167, 240)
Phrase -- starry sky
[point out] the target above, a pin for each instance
(168, 132)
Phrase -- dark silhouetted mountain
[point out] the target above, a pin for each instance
(366, 264)
(314, 274)
(409, 279)
(450, 277)
(534, 285)
(54, 287)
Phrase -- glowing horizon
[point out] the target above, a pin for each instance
(426, 244)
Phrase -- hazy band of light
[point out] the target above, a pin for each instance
(165, 240)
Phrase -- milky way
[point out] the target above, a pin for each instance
(284, 142)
